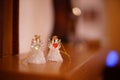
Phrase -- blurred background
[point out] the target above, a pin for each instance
(75, 22)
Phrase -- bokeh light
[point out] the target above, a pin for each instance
(76, 11)
(112, 59)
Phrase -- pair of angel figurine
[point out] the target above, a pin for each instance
(38, 57)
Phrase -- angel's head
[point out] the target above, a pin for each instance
(55, 39)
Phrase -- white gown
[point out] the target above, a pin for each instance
(54, 53)
(37, 56)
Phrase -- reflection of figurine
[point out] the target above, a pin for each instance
(37, 56)
(54, 52)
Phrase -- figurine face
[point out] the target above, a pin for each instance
(55, 41)
(35, 43)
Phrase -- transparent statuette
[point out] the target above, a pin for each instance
(37, 54)
(54, 52)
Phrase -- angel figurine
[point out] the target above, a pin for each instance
(54, 52)
(37, 55)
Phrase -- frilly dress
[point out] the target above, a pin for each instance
(37, 55)
(54, 52)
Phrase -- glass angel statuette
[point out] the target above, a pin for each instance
(37, 54)
(54, 52)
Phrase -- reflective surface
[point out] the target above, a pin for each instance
(81, 64)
